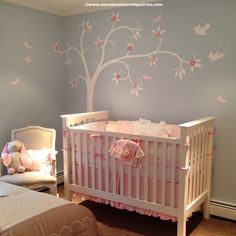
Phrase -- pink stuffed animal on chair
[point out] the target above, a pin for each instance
(15, 157)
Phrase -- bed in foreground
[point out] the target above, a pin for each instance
(26, 212)
(168, 174)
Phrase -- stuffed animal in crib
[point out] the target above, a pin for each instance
(15, 157)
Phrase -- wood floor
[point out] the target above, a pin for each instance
(115, 222)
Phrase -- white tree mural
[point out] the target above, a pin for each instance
(135, 85)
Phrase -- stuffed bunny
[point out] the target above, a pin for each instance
(15, 157)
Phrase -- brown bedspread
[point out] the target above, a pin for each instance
(66, 220)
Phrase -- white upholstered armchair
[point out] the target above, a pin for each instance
(40, 145)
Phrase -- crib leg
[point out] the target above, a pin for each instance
(206, 209)
(181, 226)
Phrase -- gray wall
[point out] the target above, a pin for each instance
(38, 99)
(200, 93)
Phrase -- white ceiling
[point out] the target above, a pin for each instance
(69, 7)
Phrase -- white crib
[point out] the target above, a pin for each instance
(186, 165)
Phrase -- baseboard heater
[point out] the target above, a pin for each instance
(223, 209)
(60, 177)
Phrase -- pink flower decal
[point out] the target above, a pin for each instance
(158, 32)
(147, 77)
(98, 42)
(135, 88)
(74, 83)
(130, 47)
(86, 26)
(56, 47)
(180, 73)
(115, 17)
(116, 77)
(152, 61)
(194, 64)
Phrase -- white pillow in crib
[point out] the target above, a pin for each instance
(152, 129)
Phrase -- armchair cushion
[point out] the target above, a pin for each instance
(29, 178)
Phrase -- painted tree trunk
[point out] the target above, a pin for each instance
(90, 90)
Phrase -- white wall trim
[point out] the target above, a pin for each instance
(223, 209)
(60, 177)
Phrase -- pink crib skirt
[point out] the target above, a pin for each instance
(140, 195)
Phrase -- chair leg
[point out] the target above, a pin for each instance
(53, 189)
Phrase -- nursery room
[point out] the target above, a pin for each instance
(118, 115)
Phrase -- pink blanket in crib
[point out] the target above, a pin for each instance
(127, 151)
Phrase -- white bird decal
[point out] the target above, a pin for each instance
(27, 45)
(202, 30)
(16, 81)
(221, 99)
(215, 56)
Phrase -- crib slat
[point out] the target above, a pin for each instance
(114, 170)
(80, 158)
(191, 155)
(173, 166)
(121, 179)
(107, 162)
(163, 176)
(100, 164)
(197, 163)
(201, 162)
(194, 167)
(146, 171)
(205, 158)
(137, 180)
(130, 180)
(92, 163)
(73, 154)
(86, 160)
(155, 181)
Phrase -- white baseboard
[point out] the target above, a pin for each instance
(223, 209)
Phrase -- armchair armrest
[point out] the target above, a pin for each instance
(53, 163)
(54, 168)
